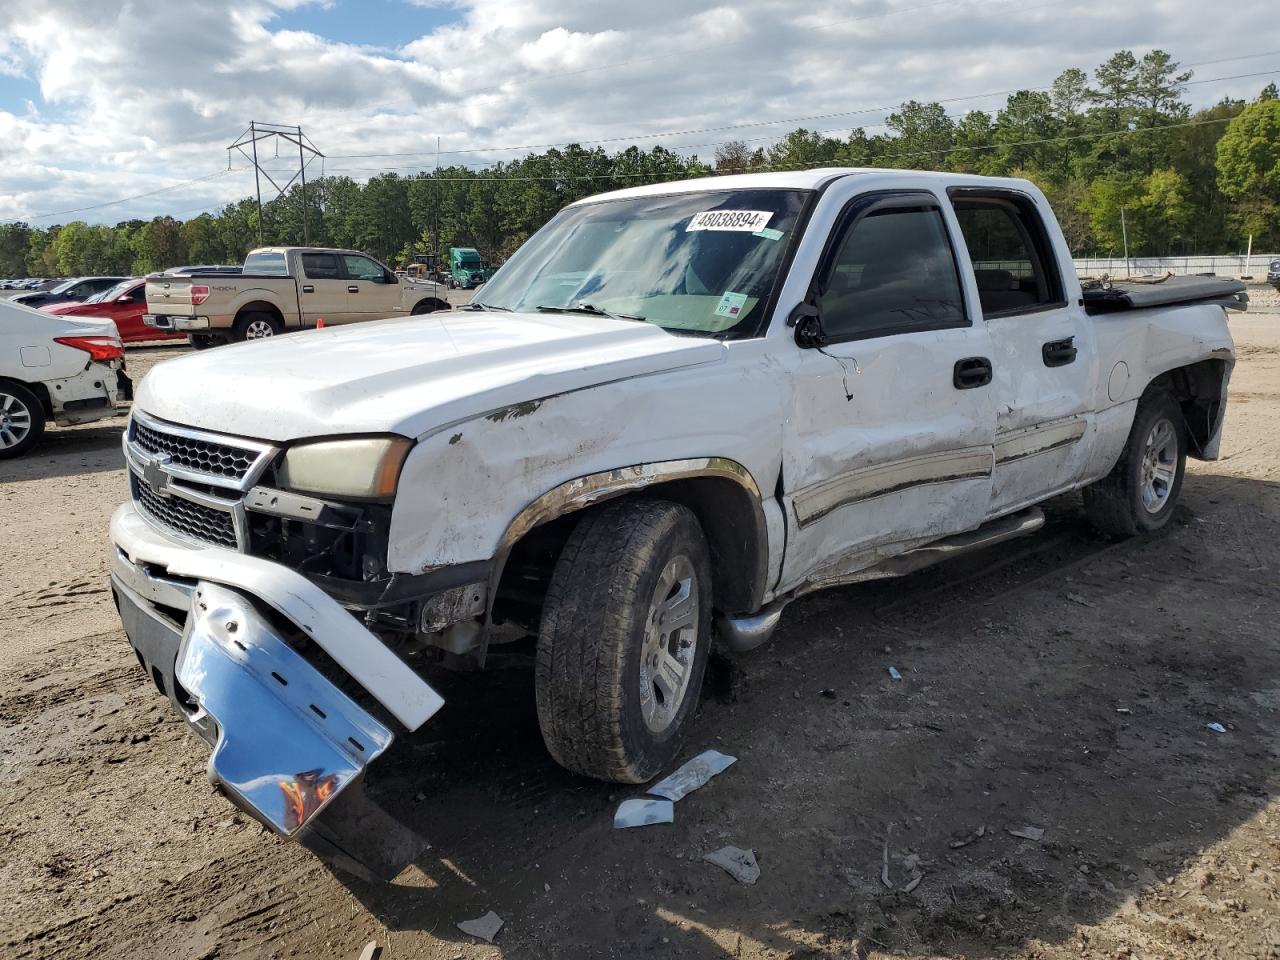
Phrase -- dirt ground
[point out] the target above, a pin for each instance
(1061, 682)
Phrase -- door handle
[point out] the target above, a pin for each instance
(971, 372)
(308, 288)
(353, 289)
(1058, 353)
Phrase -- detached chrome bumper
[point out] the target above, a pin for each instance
(286, 741)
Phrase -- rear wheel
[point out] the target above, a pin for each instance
(201, 341)
(626, 627)
(257, 326)
(1141, 491)
(21, 419)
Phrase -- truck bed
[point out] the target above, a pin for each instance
(1108, 296)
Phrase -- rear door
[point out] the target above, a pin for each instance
(1043, 355)
(322, 290)
(374, 290)
(888, 443)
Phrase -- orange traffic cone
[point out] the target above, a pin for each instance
(319, 323)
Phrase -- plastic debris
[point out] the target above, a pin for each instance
(371, 951)
(692, 775)
(966, 840)
(913, 883)
(739, 864)
(642, 812)
(894, 674)
(1027, 833)
(484, 928)
(1216, 727)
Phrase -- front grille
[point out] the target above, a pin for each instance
(203, 456)
(186, 517)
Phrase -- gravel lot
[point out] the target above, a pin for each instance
(1061, 682)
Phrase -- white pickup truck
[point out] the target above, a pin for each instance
(280, 289)
(675, 410)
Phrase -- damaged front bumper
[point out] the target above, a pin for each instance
(286, 740)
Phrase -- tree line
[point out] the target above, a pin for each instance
(1121, 139)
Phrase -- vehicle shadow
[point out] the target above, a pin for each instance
(1062, 682)
(69, 452)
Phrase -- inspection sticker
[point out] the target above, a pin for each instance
(731, 305)
(748, 221)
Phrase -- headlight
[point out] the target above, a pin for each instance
(364, 469)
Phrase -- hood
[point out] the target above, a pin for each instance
(62, 308)
(409, 376)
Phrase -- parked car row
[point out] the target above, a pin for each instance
(29, 283)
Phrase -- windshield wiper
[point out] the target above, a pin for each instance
(588, 308)
(473, 305)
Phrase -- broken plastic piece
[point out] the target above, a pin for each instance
(484, 928)
(692, 775)
(1027, 833)
(894, 674)
(1216, 727)
(642, 812)
(738, 863)
(371, 951)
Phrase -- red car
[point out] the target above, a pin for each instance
(125, 303)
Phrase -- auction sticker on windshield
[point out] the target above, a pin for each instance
(748, 221)
(731, 305)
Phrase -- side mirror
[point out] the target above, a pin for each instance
(807, 320)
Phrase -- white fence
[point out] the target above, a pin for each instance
(1227, 266)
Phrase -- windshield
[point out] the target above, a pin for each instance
(701, 262)
(268, 263)
(65, 285)
(111, 292)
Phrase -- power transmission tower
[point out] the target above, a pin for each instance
(274, 131)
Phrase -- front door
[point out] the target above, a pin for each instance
(374, 291)
(1043, 361)
(890, 433)
(322, 290)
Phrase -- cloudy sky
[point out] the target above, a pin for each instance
(137, 100)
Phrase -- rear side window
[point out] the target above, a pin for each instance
(268, 263)
(320, 266)
(893, 272)
(1013, 263)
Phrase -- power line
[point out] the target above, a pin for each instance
(801, 119)
(112, 203)
(821, 116)
(684, 174)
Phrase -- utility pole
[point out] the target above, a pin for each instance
(292, 134)
(1124, 233)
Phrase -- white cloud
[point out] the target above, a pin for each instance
(140, 95)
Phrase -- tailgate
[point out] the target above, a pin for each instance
(170, 296)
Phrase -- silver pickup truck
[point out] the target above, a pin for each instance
(675, 410)
(281, 289)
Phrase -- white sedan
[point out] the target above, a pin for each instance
(63, 369)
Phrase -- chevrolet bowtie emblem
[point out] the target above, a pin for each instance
(155, 475)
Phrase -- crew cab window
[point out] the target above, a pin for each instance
(320, 266)
(1013, 263)
(362, 268)
(893, 272)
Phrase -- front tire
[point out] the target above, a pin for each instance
(21, 419)
(1141, 491)
(626, 629)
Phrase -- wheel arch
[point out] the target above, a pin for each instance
(259, 306)
(1200, 389)
(432, 304)
(39, 389)
(722, 494)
